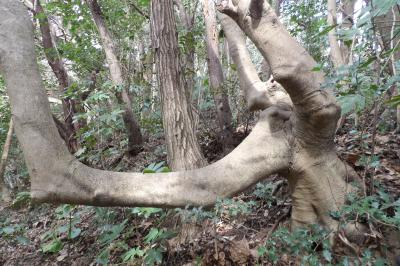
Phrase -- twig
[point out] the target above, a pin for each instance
(277, 222)
(139, 11)
(347, 243)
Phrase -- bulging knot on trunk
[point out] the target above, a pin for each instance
(316, 118)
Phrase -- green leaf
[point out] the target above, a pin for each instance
(113, 233)
(144, 2)
(327, 255)
(146, 212)
(317, 68)
(22, 198)
(104, 257)
(148, 171)
(63, 229)
(383, 6)
(132, 253)
(165, 169)
(153, 256)
(151, 236)
(394, 101)
(52, 247)
(23, 240)
(165, 235)
(351, 103)
(75, 232)
(261, 251)
(8, 230)
(326, 30)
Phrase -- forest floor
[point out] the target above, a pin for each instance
(229, 234)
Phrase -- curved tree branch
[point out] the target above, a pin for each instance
(59, 177)
(259, 95)
(316, 110)
(299, 144)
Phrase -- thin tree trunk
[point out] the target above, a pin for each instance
(224, 114)
(340, 54)
(57, 65)
(145, 69)
(387, 25)
(336, 52)
(347, 23)
(187, 20)
(188, 23)
(182, 146)
(5, 193)
(135, 139)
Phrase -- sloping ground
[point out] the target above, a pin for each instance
(235, 232)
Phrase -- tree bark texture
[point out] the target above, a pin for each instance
(182, 145)
(5, 193)
(295, 140)
(216, 75)
(135, 139)
(188, 23)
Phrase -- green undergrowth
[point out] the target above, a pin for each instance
(141, 236)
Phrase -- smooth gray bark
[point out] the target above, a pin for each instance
(294, 141)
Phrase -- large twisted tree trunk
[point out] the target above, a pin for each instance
(135, 139)
(294, 140)
(183, 149)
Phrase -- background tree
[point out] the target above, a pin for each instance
(135, 139)
(5, 192)
(67, 128)
(224, 114)
(287, 166)
(182, 145)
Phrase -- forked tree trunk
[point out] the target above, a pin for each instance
(259, 95)
(57, 65)
(295, 140)
(5, 192)
(135, 139)
(183, 149)
(224, 114)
